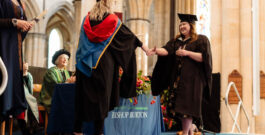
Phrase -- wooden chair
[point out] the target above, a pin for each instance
(3, 126)
(42, 108)
(11, 125)
(37, 89)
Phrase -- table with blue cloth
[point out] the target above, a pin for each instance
(133, 117)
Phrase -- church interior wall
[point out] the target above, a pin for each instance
(260, 124)
(231, 39)
(36, 44)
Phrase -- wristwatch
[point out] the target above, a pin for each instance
(14, 21)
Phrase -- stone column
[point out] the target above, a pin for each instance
(78, 20)
(230, 53)
(216, 34)
(262, 34)
(185, 7)
(35, 45)
(139, 23)
(160, 29)
(260, 119)
(245, 36)
(35, 48)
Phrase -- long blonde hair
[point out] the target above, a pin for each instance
(193, 33)
(98, 11)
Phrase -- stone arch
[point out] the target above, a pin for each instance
(32, 11)
(61, 17)
(34, 43)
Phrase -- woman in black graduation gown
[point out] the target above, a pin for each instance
(13, 29)
(184, 66)
(98, 89)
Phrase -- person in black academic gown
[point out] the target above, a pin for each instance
(13, 29)
(105, 44)
(184, 67)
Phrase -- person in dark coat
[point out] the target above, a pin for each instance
(184, 67)
(13, 29)
(105, 44)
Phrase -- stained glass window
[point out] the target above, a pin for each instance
(203, 14)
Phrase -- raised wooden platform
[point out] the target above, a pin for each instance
(199, 133)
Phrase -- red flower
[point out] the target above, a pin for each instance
(152, 102)
(135, 101)
(120, 71)
(163, 107)
(139, 82)
(170, 124)
(165, 120)
(146, 78)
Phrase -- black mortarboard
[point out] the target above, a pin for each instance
(98, 0)
(58, 53)
(188, 18)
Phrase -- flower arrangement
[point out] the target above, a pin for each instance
(169, 122)
(143, 86)
(143, 83)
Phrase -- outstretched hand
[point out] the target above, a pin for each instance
(151, 52)
(148, 51)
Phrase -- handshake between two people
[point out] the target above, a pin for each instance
(148, 51)
(163, 52)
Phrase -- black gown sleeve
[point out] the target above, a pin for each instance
(6, 23)
(205, 49)
(170, 47)
(123, 50)
(163, 70)
(123, 47)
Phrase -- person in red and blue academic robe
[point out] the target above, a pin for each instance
(105, 44)
(13, 29)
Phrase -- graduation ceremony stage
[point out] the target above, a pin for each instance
(143, 114)
(174, 133)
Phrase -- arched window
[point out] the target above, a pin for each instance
(55, 44)
(203, 14)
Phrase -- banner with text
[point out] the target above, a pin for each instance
(135, 116)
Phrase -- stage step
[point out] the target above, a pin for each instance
(174, 133)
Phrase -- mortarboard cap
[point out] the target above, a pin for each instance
(98, 0)
(188, 18)
(58, 53)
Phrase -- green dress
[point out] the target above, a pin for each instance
(52, 77)
(31, 100)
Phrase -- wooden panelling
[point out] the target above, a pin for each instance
(262, 84)
(237, 79)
